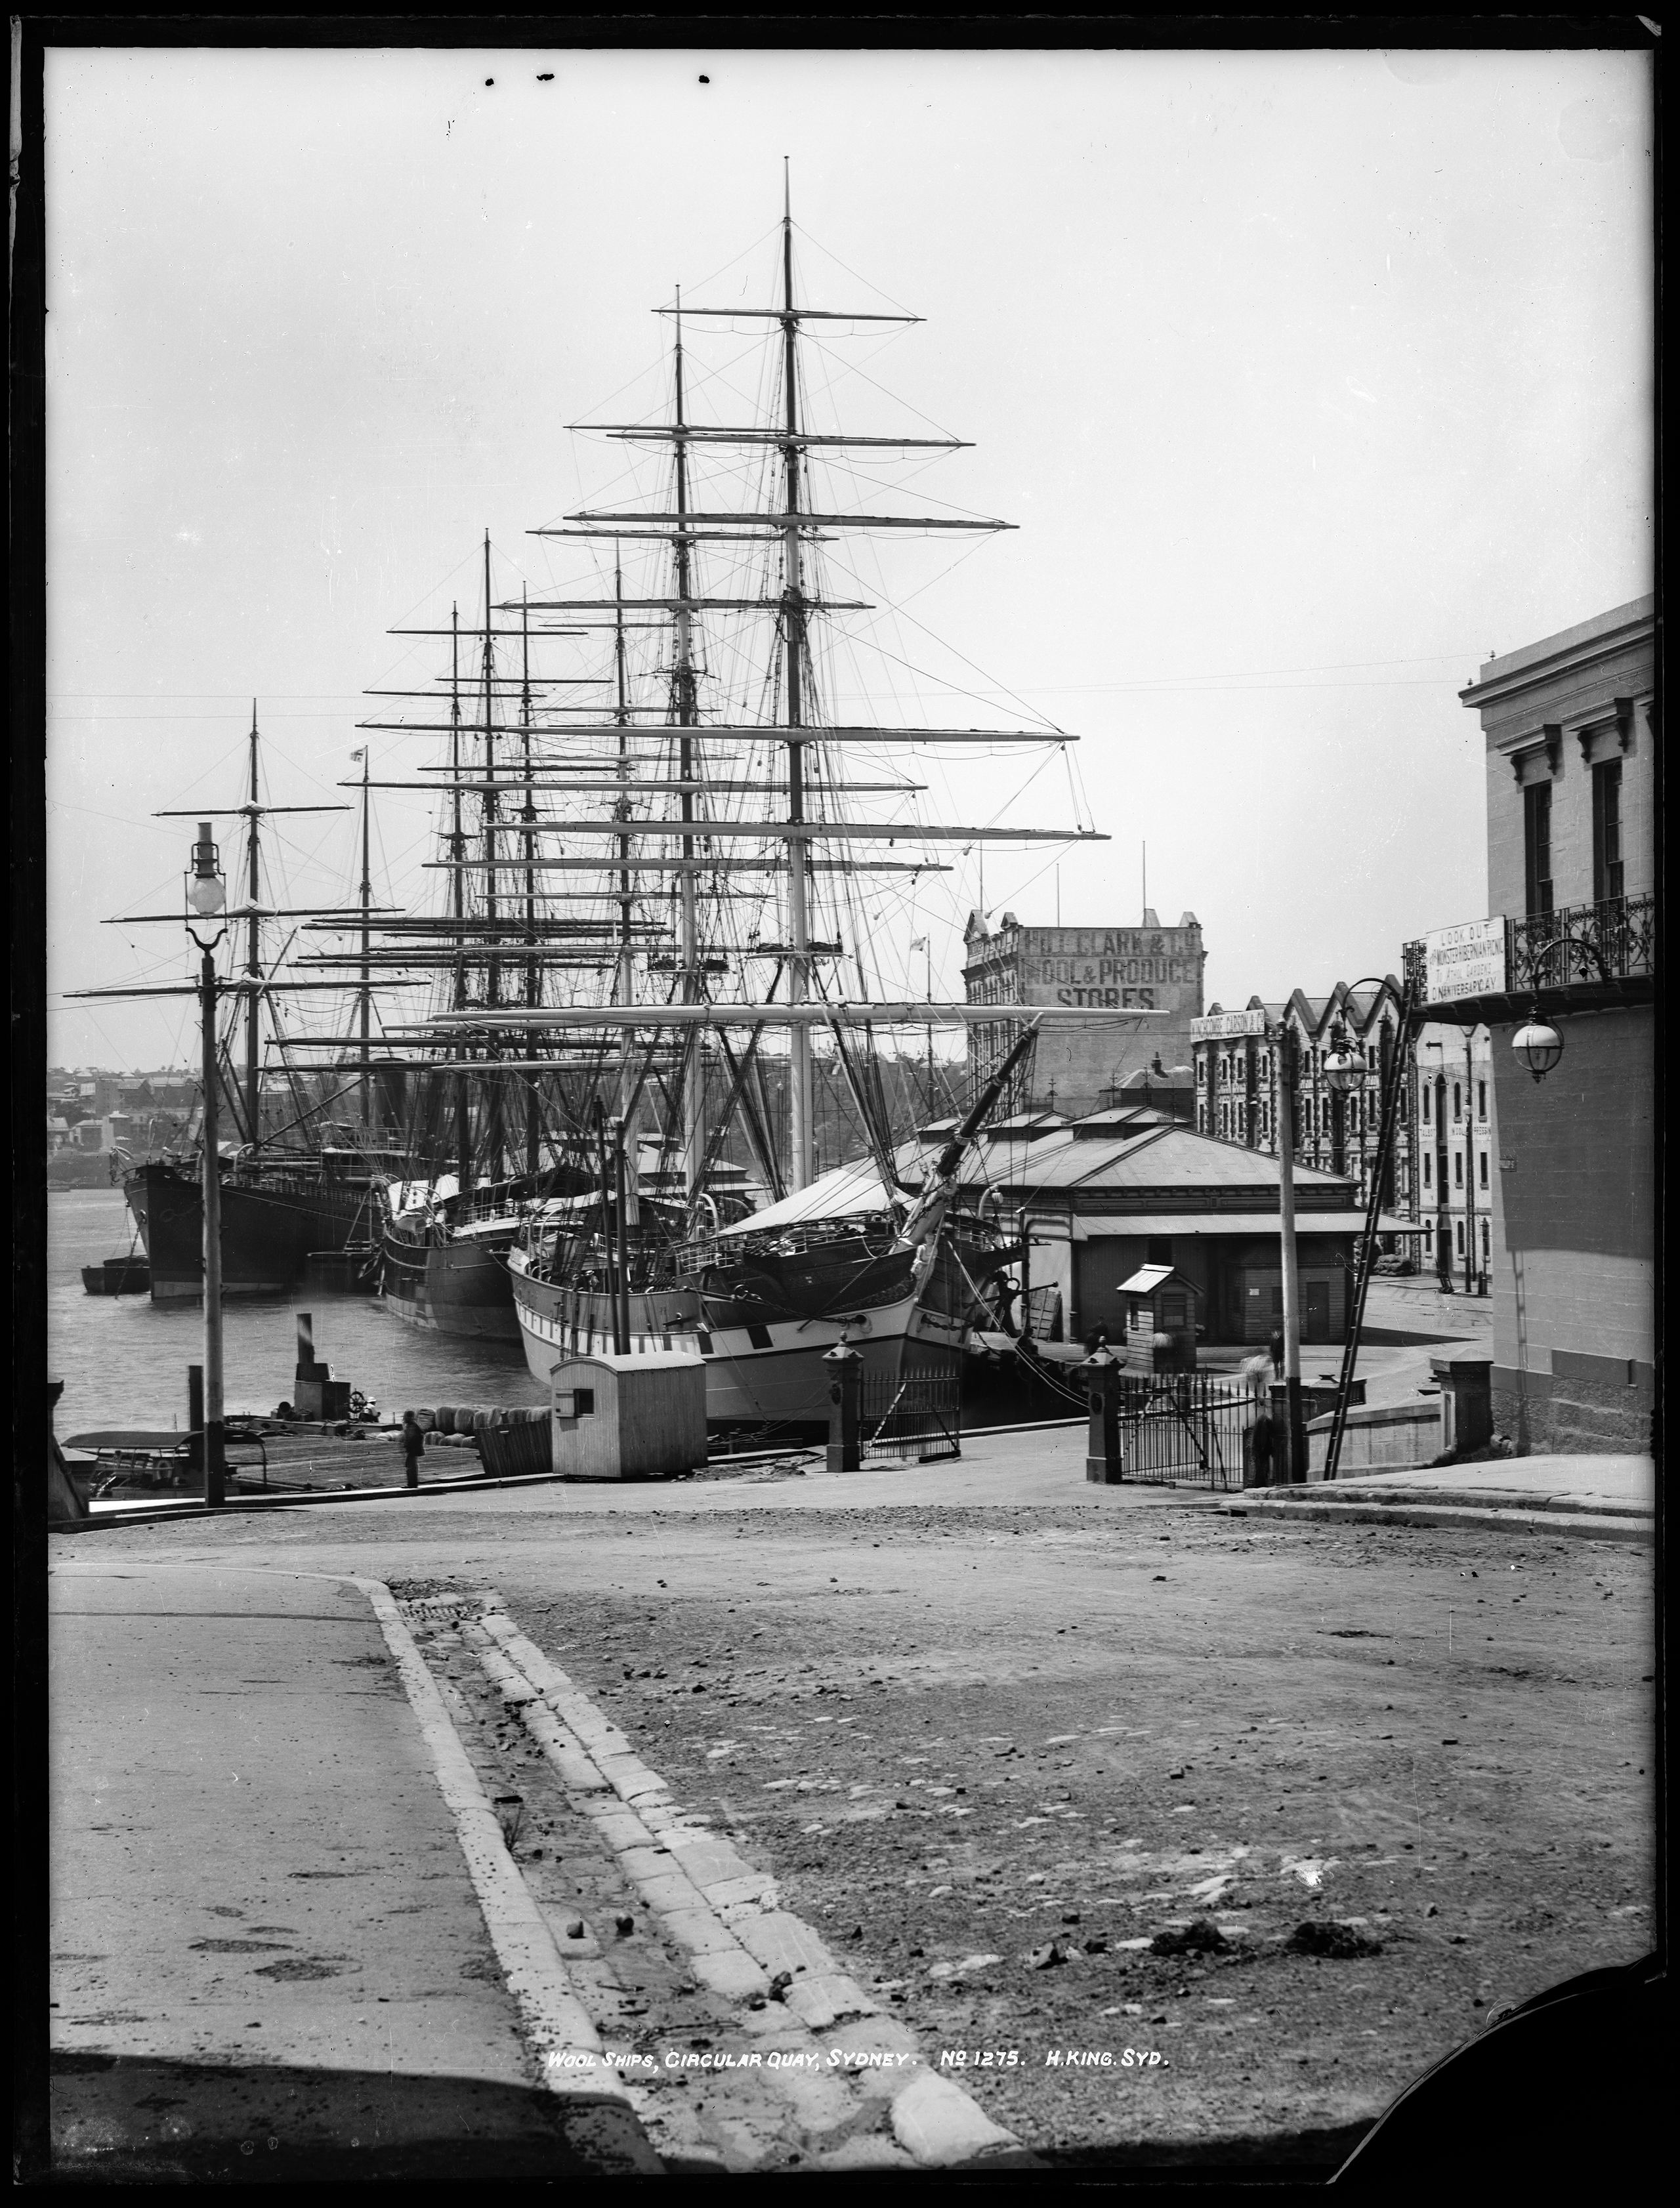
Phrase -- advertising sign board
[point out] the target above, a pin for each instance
(1216, 1025)
(1467, 961)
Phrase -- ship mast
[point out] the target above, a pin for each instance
(801, 1160)
(458, 857)
(494, 1131)
(365, 992)
(253, 960)
(693, 1073)
(624, 978)
(527, 814)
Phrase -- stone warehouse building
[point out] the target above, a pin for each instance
(1238, 1068)
(1439, 1170)
(1146, 969)
(1571, 736)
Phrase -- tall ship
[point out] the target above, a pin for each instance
(303, 1171)
(735, 851)
(495, 1126)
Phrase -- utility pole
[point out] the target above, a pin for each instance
(1293, 1437)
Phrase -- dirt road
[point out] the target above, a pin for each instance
(991, 1752)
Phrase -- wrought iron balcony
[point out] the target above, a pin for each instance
(1614, 941)
(1597, 954)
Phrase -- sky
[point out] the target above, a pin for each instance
(1310, 382)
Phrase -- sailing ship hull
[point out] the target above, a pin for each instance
(445, 1283)
(556, 1320)
(762, 1369)
(270, 1228)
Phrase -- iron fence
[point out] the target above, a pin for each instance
(918, 1418)
(1178, 1426)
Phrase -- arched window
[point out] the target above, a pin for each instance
(1429, 1240)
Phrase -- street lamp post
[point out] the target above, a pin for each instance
(207, 898)
(1345, 1069)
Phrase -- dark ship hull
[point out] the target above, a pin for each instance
(274, 1219)
(449, 1282)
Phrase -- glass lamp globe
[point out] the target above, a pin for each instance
(1342, 1069)
(206, 894)
(1538, 1044)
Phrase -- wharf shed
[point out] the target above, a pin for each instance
(1100, 1196)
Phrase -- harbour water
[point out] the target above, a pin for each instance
(123, 1359)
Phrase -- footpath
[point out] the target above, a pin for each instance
(309, 1922)
(270, 1962)
(1604, 1498)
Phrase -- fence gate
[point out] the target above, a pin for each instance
(1184, 1426)
(918, 1418)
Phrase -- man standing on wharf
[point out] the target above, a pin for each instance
(414, 1441)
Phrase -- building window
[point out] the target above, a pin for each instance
(1425, 1103)
(1481, 1099)
(1484, 1169)
(1201, 1070)
(1460, 1237)
(1426, 1170)
(1537, 849)
(1159, 1248)
(1458, 1101)
(1458, 1168)
(1265, 1065)
(1607, 831)
(1429, 1230)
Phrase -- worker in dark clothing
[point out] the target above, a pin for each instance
(414, 1441)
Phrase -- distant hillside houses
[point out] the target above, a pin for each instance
(90, 1108)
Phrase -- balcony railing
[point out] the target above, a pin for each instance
(1610, 942)
(1579, 945)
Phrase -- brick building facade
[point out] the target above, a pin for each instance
(1571, 734)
